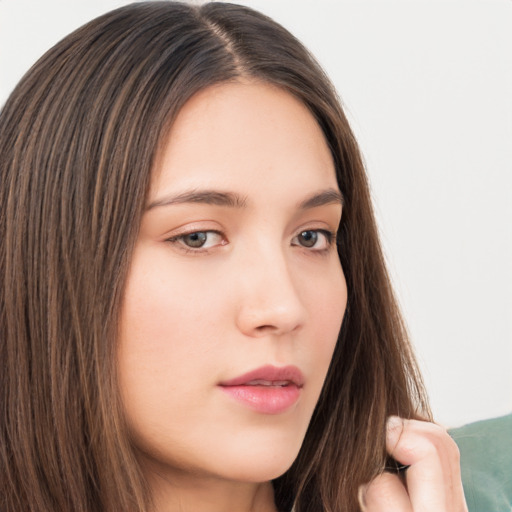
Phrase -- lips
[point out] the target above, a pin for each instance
(268, 374)
(267, 390)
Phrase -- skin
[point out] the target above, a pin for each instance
(432, 483)
(256, 293)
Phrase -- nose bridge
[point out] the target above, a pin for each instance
(269, 301)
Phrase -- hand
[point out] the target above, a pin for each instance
(432, 482)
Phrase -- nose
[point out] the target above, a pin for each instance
(268, 298)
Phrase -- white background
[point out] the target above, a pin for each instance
(428, 89)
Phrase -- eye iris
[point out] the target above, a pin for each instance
(308, 238)
(195, 239)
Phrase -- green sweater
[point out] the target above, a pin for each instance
(486, 463)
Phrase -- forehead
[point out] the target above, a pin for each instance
(240, 133)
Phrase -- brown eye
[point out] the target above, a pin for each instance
(308, 238)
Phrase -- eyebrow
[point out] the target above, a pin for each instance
(214, 197)
(234, 200)
(328, 196)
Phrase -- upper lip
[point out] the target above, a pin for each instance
(269, 375)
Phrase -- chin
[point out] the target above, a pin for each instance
(263, 467)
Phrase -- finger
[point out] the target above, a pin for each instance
(433, 478)
(385, 493)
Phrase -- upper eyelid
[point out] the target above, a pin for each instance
(205, 225)
(176, 237)
(190, 228)
(192, 231)
(325, 231)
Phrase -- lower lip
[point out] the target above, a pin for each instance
(265, 399)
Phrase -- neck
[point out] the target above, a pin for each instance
(190, 493)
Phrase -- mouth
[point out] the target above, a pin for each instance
(266, 390)
(268, 376)
(276, 383)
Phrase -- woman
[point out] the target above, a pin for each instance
(195, 309)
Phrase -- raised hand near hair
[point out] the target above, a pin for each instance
(432, 481)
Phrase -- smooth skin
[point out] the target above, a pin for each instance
(236, 267)
(432, 483)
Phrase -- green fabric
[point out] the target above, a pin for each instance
(486, 464)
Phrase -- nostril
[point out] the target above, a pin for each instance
(265, 328)
(273, 329)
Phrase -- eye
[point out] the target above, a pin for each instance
(198, 239)
(317, 239)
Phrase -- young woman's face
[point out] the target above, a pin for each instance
(235, 294)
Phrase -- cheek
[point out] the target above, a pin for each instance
(165, 337)
(326, 300)
(165, 308)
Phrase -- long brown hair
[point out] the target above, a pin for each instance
(78, 137)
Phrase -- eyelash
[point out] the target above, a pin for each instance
(178, 240)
